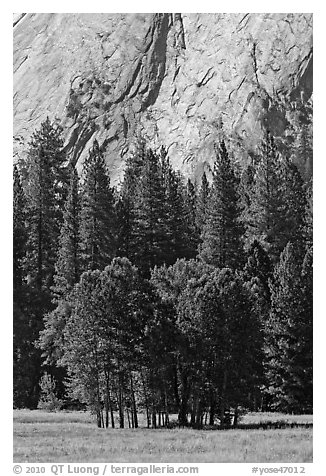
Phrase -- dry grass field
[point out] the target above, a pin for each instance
(73, 437)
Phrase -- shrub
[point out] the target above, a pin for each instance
(48, 400)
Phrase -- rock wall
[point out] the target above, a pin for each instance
(172, 78)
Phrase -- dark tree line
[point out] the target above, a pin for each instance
(162, 295)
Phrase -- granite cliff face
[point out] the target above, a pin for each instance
(172, 78)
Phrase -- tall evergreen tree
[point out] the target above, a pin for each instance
(303, 355)
(308, 228)
(294, 206)
(67, 268)
(27, 311)
(192, 231)
(265, 215)
(301, 121)
(176, 214)
(126, 206)
(67, 271)
(150, 226)
(19, 229)
(45, 190)
(290, 333)
(202, 203)
(97, 217)
(45, 187)
(246, 184)
(259, 266)
(221, 236)
(50, 138)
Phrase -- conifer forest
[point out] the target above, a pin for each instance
(162, 295)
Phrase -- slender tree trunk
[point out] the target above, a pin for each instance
(146, 400)
(193, 412)
(212, 408)
(106, 414)
(166, 408)
(153, 417)
(107, 401)
(120, 400)
(222, 406)
(99, 411)
(199, 415)
(121, 411)
(153, 408)
(236, 416)
(183, 420)
(133, 400)
(148, 417)
(175, 386)
(99, 418)
(39, 278)
(255, 402)
(111, 409)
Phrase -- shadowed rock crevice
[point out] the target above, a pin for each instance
(17, 18)
(180, 41)
(157, 59)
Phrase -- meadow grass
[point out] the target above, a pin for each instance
(73, 437)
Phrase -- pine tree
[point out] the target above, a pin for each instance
(301, 121)
(50, 138)
(246, 184)
(67, 268)
(290, 333)
(175, 216)
(48, 397)
(265, 214)
(156, 211)
(44, 182)
(308, 217)
(150, 227)
(67, 271)
(202, 203)
(259, 266)
(19, 229)
(97, 217)
(294, 206)
(192, 231)
(45, 192)
(221, 236)
(27, 310)
(303, 354)
(303, 148)
(126, 206)
(42, 232)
